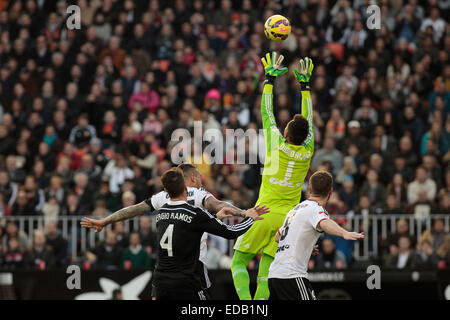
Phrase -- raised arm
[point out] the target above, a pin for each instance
(272, 68)
(122, 214)
(303, 76)
(331, 227)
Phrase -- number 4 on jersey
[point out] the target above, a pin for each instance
(166, 240)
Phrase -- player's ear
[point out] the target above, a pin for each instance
(286, 131)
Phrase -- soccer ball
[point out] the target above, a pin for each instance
(277, 28)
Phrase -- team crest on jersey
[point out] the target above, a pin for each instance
(290, 216)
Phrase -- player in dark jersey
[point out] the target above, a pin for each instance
(145, 206)
(180, 227)
(197, 196)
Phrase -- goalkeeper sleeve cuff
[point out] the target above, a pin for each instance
(270, 80)
(304, 86)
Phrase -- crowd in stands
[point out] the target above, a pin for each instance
(86, 116)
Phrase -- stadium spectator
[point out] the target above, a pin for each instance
(328, 153)
(444, 203)
(398, 188)
(336, 124)
(374, 189)
(83, 133)
(406, 151)
(107, 254)
(147, 235)
(403, 257)
(13, 257)
(121, 236)
(433, 169)
(437, 234)
(58, 244)
(116, 172)
(8, 189)
(15, 169)
(91, 169)
(5, 210)
(392, 206)
(421, 183)
(426, 257)
(329, 257)
(364, 207)
(401, 230)
(444, 252)
(149, 98)
(100, 210)
(73, 206)
(23, 206)
(423, 207)
(40, 256)
(135, 256)
(11, 230)
(51, 209)
(348, 194)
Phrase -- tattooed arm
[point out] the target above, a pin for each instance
(122, 214)
(213, 204)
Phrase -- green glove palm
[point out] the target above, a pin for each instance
(306, 68)
(272, 65)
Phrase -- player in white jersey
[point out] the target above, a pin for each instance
(288, 276)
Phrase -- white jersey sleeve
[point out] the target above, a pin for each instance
(199, 197)
(316, 216)
(157, 200)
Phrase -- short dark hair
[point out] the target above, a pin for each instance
(187, 168)
(136, 233)
(298, 129)
(173, 182)
(321, 183)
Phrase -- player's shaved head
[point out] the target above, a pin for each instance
(192, 176)
(173, 182)
(321, 183)
(297, 130)
(187, 169)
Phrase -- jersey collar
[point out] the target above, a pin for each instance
(176, 203)
(314, 201)
(324, 210)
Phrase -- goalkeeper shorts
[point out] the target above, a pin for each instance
(261, 235)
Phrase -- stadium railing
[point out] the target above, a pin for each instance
(377, 228)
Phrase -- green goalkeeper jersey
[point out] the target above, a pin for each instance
(286, 165)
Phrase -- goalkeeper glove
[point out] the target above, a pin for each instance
(272, 67)
(306, 68)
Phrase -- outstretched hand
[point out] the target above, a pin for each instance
(92, 224)
(353, 235)
(272, 65)
(226, 212)
(306, 68)
(256, 212)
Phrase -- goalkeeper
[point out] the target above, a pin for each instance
(286, 164)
